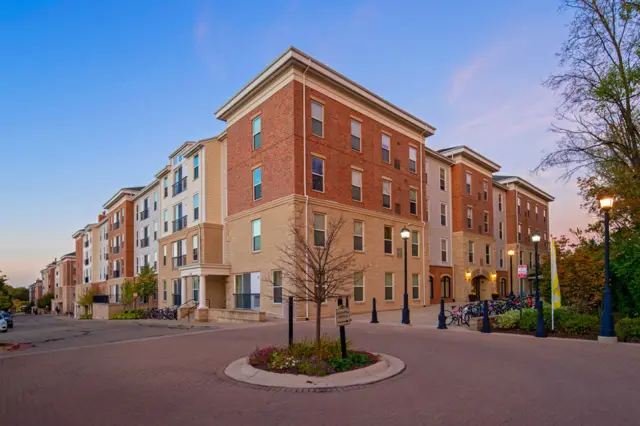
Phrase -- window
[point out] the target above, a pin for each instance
(277, 286)
(155, 200)
(415, 286)
(485, 189)
(443, 179)
(155, 261)
(501, 230)
(445, 283)
(358, 235)
(444, 250)
(503, 286)
(544, 215)
(195, 247)
(413, 202)
(545, 236)
(529, 233)
(426, 171)
(388, 286)
(386, 148)
(528, 209)
(518, 206)
(469, 217)
(430, 287)
(164, 255)
(317, 174)
(355, 135)
(426, 210)
(443, 214)
(256, 235)
(177, 159)
(319, 222)
(471, 247)
(196, 167)
(468, 183)
(386, 194)
(413, 154)
(356, 185)
(487, 254)
(415, 245)
(520, 263)
(164, 290)
(530, 260)
(388, 240)
(165, 184)
(256, 127)
(358, 287)
(501, 258)
(196, 289)
(536, 212)
(257, 183)
(486, 222)
(196, 206)
(500, 202)
(317, 114)
(519, 232)
(166, 221)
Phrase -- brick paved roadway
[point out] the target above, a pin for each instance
(451, 379)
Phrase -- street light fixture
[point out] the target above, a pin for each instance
(540, 331)
(405, 234)
(607, 331)
(511, 253)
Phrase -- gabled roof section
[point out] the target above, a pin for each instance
(146, 189)
(472, 155)
(166, 169)
(497, 184)
(293, 56)
(516, 180)
(435, 154)
(132, 191)
(180, 148)
(71, 255)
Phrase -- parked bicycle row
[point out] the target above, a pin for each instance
(462, 314)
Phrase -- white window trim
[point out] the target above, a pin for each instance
(321, 105)
(446, 250)
(315, 174)
(254, 133)
(359, 136)
(274, 286)
(253, 184)
(384, 240)
(444, 172)
(390, 193)
(364, 296)
(382, 134)
(415, 161)
(412, 287)
(361, 236)
(323, 230)
(418, 244)
(253, 236)
(414, 191)
(393, 287)
(445, 214)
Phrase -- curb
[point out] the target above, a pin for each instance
(387, 367)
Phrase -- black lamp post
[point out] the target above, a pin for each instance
(606, 323)
(511, 252)
(405, 234)
(540, 330)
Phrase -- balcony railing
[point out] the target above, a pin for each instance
(180, 186)
(144, 214)
(144, 242)
(179, 224)
(178, 261)
(116, 225)
(116, 249)
(116, 273)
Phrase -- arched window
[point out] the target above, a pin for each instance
(430, 287)
(503, 286)
(446, 287)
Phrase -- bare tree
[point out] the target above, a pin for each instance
(317, 270)
(600, 89)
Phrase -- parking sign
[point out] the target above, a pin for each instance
(522, 271)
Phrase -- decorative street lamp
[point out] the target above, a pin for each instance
(511, 253)
(405, 234)
(607, 331)
(540, 331)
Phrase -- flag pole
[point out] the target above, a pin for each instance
(553, 254)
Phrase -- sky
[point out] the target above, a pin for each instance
(94, 96)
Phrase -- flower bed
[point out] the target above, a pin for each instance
(310, 359)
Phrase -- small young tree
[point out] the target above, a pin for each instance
(317, 270)
(86, 299)
(146, 283)
(127, 288)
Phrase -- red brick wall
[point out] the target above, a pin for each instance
(79, 259)
(437, 272)
(536, 224)
(126, 249)
(461, 200)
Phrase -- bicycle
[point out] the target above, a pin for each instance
(459, 316)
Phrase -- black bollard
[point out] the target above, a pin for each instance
(290, 321)
(486, 325)
(442, 325)
(374, 313)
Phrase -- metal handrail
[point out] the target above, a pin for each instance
(190, 310)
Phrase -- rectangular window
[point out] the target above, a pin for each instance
(256, 235)
(426, 210)
(469, 217)
(426, 171)
(413, 202)
(519, 232)
(386, 194)
(386, 148)
(155, 200)
(529, 233)
(500, 202)
(195, 247)
(468, 183)
(256, 127)
(358, 287)
(415, 286)
(166, 221)
(487, 254)
(196, 167)
(544, 215)
(388, 240)
(196, 206)
(501, 260)
(443, 214)
(545, 236)
(257, 183)
(355, 135)
(501, 230)
(518, 206)
(388, 286)
(319, 227)
(415, 245)
(486, 222)
(413, 155)
(165, 184)
(317, 118)
(317, 174)
(530, 260)
(356, 185)
(164, 290)
(196, 289)
(444, 250)
(528, 209)
(536, 212)
(443, 179)
(485, 189)
(164, 255)
(471, 250)
(277, 287)
(358, 235)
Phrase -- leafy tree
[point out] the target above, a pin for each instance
(127, 288)
(86, 299)
(146, 283)
(45, 301)
(20, 293)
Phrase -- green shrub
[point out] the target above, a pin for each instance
(127, 316)
(315, 366)
(329, 348)
(580, 324)
(529, 320)
(86, 316)
(281, 360)
(628, 329)
(508, 320)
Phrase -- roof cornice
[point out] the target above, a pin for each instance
(435, 154)
(516, 180)
(118, 195)
(146, 189)
(467, 152)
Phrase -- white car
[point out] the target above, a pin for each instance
(3, 326)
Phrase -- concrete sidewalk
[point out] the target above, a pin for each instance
(426, 317)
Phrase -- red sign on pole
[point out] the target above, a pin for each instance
(522, 271)
(135, 295)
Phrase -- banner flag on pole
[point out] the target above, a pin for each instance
(556, 301)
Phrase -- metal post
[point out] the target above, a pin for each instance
(290, 321)
(442, 325)
(405, 308)
(343, 337)
(486, 325)
(511, 275)
(606, 324)
(540, 330)
(374, 313)
(347, 299)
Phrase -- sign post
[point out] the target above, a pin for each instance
(522, 273)
(343, 318)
